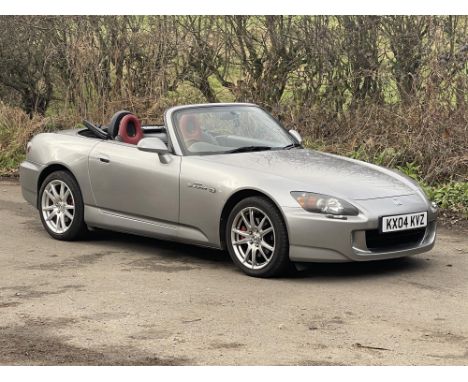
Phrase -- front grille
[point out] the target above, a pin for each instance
(393, 240)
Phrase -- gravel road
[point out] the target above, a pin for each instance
(120, 299)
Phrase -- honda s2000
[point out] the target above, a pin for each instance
(225, 176)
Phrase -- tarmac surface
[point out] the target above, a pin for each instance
(118, 299)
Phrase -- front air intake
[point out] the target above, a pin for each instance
(394, 240)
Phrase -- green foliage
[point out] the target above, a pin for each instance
(10, 160)
(412, 170)
(451, 196)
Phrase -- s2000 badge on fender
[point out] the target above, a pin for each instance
(200, 186)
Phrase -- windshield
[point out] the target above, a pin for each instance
(228, 129)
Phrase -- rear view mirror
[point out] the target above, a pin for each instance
(229, 116)
(295, 134)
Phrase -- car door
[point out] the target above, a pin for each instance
(133, 182)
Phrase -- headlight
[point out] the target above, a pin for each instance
(323, 204)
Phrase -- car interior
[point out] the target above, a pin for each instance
(124, 127)
(127, 128)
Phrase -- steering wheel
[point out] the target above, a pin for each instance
(190, 142)
(206, 137)
(97, 131)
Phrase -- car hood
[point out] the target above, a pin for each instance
(322, 172)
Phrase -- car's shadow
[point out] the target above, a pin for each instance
(368, 269)
(168, 250)
(201, 256)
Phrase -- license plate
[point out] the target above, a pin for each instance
(403, 222)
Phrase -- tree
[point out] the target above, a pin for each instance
(267, 50)
(408, 42)
(26, 60)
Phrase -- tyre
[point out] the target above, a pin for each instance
(61, 206)
(257, 238)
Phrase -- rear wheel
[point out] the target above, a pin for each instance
(61, 206)
(257, 239)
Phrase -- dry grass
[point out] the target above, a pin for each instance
(16, 129)
(434, 141)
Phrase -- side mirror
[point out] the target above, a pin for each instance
(152, 145)
(295, 134)
(155, 145)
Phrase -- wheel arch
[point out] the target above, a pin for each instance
(235, 198)
(49, 170)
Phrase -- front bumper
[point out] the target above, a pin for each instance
(316, 238)
(29, 175)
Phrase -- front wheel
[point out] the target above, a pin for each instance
(257, 238)
(61, 206)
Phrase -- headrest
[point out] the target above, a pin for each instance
(189, 125)
(113, 128)
(130, 130)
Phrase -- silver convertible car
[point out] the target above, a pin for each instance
(225, 176)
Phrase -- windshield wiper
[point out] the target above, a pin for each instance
(291, 146)
(249, 148)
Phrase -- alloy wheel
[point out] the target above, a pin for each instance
(253, 238)
(58, 206)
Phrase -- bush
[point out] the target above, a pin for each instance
(435, 138)
(451, 196)
(16, 129)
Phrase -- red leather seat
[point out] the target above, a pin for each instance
(130, 130)
(189, 126)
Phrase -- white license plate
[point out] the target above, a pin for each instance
(403, 222)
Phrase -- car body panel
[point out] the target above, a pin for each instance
(311, 234)
(29, 175)
(67, 149)
(183, 197)
(205, 189)
(323, 173)
(134, 182)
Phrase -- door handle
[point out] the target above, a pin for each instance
(103, 158)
